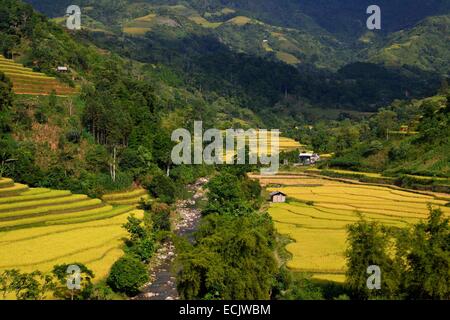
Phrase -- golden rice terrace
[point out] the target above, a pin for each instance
(28, 82)
(319, 210)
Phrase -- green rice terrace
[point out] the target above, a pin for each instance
(27, 82)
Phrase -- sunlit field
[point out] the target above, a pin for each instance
(318, 212)
(26, 81)
(40, 228)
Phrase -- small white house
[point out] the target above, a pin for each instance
(62, 69)
(278, 197)
(308, 158)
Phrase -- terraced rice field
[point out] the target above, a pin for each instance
(284, 144)
(26, 81)
(379, 175)
(203, 22)
(287, 57)
(40, 228)
(140, 26)
(133, 197)
(240, 20)
(318, 212)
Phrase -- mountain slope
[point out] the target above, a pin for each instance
(326, 34)
(424, 150)
(426, 46)
(346, 18)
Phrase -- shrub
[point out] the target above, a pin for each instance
(143, 249)
(141, 242)
(40, 116)
(346, 162)
(127, 275)
(63, 292)
(398, 153)
(73, 136)
(374, 147)
(183, 174)
(163, 187)
(161, 217)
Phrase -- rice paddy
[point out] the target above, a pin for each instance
(287, 57)
(318, 212)
(203, 22)
(133, 197)
(40, 228)
(140, 26)
(27, 82)
(240, 20)
(284, 145)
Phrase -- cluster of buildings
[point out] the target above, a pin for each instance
(306, 158)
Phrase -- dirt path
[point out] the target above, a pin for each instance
(163, 282)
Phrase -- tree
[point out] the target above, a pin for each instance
(295, 286)
(232, 259)
(6, 102)
(226, 196)
(62, 289)
(444, 86)
(162, 149)
(414, 262)
(30, 286)
(127, 275)
(135, 228)
(384, 121)
(428, 275)
(6, 279)
(368, 246)
(160, 213)
(141, 242)
(102, 292)
(163, 187)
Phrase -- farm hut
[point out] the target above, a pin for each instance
(278, 197)
(307, 158)
(62, 69)
(404, 129)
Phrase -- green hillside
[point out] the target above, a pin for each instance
(427, 46)
(240, 32)
(425, 151)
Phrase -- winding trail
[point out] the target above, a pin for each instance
(163, 282)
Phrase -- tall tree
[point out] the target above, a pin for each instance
(6, 102)
(368, 246)
(428, 275)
